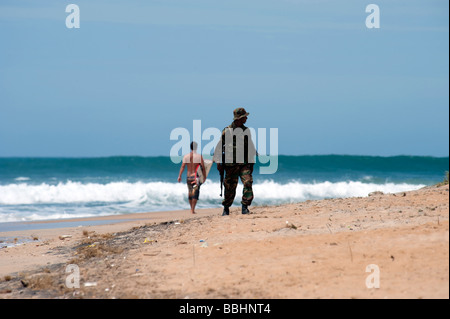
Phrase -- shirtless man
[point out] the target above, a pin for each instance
(194, 162)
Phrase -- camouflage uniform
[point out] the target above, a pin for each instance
(232, 172)
(236, 165)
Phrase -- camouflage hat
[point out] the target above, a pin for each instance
(240, 113)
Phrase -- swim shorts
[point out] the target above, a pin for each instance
(193, 188)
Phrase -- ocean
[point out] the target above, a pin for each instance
(58, 188)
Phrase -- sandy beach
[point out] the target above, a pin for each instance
(380, 246)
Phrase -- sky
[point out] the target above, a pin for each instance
(136, 70)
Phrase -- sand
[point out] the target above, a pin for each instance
(375, 247)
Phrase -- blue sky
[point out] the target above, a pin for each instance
(136, 70)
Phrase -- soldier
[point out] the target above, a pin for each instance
(235, 155)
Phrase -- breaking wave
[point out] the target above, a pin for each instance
(25, 202)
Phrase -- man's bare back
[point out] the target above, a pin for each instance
(192, 160)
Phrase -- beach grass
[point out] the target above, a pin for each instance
(445, 181)
(95, 245)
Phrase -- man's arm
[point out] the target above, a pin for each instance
(181, 170)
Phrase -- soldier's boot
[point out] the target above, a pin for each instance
(226, 211)
(245, 209)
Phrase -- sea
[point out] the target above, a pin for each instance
(36, 189)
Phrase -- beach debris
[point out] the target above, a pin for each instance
(149, 241)
(376, 193)
(333, 244)
(152, 254)
(62, 237)
(90, 284)
(204, 243)
(402, 194)
(85, 233)
(290, 225)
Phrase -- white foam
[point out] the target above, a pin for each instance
(159, 193)
(295, 191)
(19, 202)
(76, 192)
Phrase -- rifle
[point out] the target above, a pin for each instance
(221, 180)
(219, 158)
